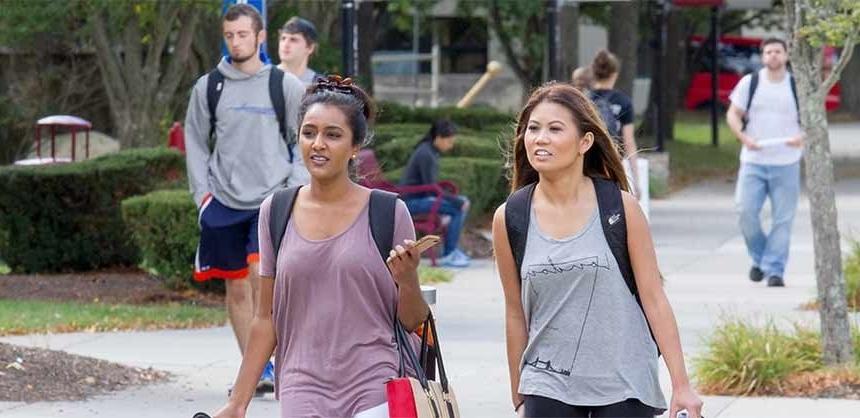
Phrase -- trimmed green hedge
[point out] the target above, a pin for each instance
(67, 216)
(472, 117)
(396, 152)
(482, 180)
(163, 225)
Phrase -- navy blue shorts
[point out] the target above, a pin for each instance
(228, 241)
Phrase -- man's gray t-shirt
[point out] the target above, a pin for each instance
(589, 342)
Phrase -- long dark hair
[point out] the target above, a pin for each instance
(601, 160)
(441, 127)
(349, 98)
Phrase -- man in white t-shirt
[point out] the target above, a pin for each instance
(296, 44)
(764, 117)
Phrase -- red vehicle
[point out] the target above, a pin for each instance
(738, 56)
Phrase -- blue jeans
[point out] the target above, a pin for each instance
(452, 206)
(782, 185)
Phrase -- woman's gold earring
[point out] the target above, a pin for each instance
(354, 156)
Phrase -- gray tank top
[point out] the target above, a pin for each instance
(589, 343)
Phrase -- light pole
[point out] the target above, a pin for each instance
(347, 15)
(552, 34)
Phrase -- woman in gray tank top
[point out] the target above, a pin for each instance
(578, 342)
(327, 299)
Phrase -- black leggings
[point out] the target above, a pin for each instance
(541, 407)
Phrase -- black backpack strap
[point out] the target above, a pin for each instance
(279, 216)
(614, 223)
(276, 95)
(610, 204)
(793, 85)
(517, 214)
(752, 89)
(382, 207)
(214, 86)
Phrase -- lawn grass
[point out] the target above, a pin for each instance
(693, 158)
(25, 317)
(431, 275)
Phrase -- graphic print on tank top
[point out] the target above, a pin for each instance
(569, 288)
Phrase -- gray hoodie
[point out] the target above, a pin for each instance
(250, 159)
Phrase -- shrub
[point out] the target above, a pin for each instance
(164, 227)
(473, 117)
(67, 216)
(396, 152)
(407, 132)
(482, 180)
(744, 359)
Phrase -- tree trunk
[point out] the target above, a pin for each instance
(623, 42)
(673, 58)
(366, 37)
(139, 87)
(850, 85)
(569, 46)
(833, 311)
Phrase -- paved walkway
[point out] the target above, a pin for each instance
(701, 254)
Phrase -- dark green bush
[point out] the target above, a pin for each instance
(164, 227)
(473, 117)
(67, 216)
(482, 180)
(396, 152)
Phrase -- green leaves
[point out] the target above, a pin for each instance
(830, 22)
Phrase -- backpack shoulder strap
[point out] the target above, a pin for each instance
(614, 223)
(610, 204)
(276, 95)
(279, 216)
(517, 214)
(793, 83)
(382, 207)
(752, 89)
(214, 86)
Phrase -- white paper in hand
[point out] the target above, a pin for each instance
(771, 142)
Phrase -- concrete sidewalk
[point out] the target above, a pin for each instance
(701, 254)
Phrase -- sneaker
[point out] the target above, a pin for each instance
(775, 281)
(756, 274)
(267, 380)
(456, 259)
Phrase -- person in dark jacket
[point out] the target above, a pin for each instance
(423, 168)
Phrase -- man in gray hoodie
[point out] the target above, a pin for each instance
(238, 158)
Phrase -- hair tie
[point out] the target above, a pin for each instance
(336, 84)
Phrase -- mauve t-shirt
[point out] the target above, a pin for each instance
(333, 309)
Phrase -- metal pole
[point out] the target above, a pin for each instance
(88, 144)
(552, 38)
(38, 135)
(53, 152)
(74, 145)
(347, 15)
(434, 70)
(658, 77)
(715, 69)
(416, 65)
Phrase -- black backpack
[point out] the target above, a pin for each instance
(754, 86)
(611, 209)
(382, 206)
(604, 108)
(214, 86)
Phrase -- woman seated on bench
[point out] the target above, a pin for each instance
(423, 168)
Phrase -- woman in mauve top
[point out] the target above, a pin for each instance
(328, 300)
